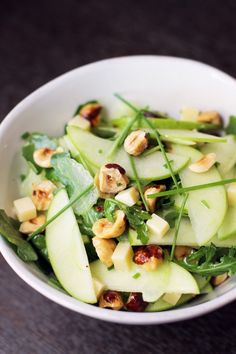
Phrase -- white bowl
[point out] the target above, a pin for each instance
(165, 83)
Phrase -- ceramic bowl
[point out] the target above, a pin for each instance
(165, 83)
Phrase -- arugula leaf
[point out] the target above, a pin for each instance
(40, 140)
(171, 218)
(39, 242)
(76, 179)
(209, 261)
(231, 127)
(78, 109)
(109, 209)
(137, 217)
(24, 250)
(87, 220)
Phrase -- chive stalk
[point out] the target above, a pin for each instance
(68, 205)
(137, 181)
(178, 226)
(192, 188)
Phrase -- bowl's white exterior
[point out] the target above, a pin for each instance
(165, 83)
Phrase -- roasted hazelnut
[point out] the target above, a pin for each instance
(111, 299)
(112, 178)
(136, 142)
(181, 252)
(151, 202)
(149, 257)
(42, 194)
(27, 227)
(104, 249)
(211, 117)
(204, 164)
(136, 303)
(103, 228)
(219, 279)
(42, 156)
(91, 112)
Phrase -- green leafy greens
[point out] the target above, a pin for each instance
(209, 261)
(76, 179)
(231, 127)
(23, 248)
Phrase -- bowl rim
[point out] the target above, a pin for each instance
(18, 266)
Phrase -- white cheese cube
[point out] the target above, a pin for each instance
(122, 256)
(189, 114)
(157, 225)
(231, 193)
(98, 287)
(129, 196)
(25, 209)
(80, 122)
(172, 298)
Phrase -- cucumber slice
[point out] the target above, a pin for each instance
(67, 252)
(151, 284)
(151, 167)
(225, 154)
(193, 136)
(228, 228)
(206, 207)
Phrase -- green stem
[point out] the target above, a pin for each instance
(192, 188)
(158, 138)
(71, 202)
(156, 134)
(178, 226)
(122, 136)
(137, 180)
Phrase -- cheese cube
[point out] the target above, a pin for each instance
(80, 122)
(189, 114)
(98, 287)
(231, 194)
(25, 209)
(122, 256)
(172, 298)
(157, 225)
(129, 196)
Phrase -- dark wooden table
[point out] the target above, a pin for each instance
(40, 40)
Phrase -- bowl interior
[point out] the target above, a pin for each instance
(163, 83)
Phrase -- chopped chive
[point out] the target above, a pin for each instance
(165, 165)
(150, 151)
(204, 202)
(137, 180)
(71, 202)
(178, 226)
(192, 188)
(136, 275)
(22, 177)
(111, 267)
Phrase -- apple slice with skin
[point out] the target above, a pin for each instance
(151, 167)
(67, 253)
(168, 277)
(206, 207)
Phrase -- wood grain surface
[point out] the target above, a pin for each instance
(40, 40)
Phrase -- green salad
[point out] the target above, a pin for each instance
(132, 213)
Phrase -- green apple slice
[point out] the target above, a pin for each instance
(228, 228)
(190, 135)
(150, 167)
(151, 284)
(225, 154)
(206, 207)
(67, 252)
